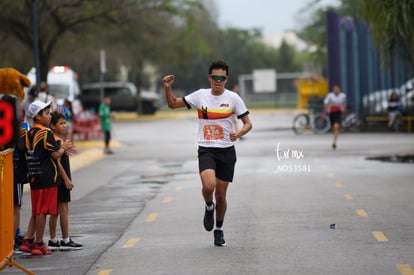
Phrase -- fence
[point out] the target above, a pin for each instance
(285, 96)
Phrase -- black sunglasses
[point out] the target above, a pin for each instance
(218, 77)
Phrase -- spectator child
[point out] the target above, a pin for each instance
(105, 116)
(20, 178)
(42, 150)
(65, 185)
(68, 112)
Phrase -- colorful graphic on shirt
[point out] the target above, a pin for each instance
(216, 114)
(204, 113)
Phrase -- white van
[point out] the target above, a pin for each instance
(63, 84)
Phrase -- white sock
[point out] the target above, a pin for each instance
(211, 207)
(54, 240)
(66, 240)
(218, 228)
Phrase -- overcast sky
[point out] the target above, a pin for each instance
(271, 16)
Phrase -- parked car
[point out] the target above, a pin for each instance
(123, 96)
(150, 102)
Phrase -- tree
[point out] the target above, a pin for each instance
(156, 33)
(392, 25)
(314, 33)
(55, 19)
(132, 31)
(286, 60)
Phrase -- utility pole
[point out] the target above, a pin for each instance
(102, 61)
(35, 42)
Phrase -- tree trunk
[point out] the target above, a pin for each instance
(44, 64)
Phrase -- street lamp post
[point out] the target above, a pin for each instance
(35, 42)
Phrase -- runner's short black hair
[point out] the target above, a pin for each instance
(218, 64)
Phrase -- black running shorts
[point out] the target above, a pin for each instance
(222, 160)
(335, 117)
(18, 194)
(63, 193)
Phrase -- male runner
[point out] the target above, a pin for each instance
(216, 108)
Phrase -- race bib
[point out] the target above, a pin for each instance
(213, 132)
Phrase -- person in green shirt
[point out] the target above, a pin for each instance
(105, 117)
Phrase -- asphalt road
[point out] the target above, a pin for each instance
(140, 210)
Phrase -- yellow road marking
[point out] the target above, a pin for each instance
(151, 217)
(348, 197)
(167, 200)
(178, 187)
(95, 143)
(361, 213)
(131, 242)
(339, 185)
(331, 175)
(380, 236)
(105, 272)
(405, 269)
(85, 158)
(323, 166)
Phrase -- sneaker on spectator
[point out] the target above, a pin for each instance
(108, 151)
(26, 246)
(53, 245)
(18, 241)
(40, 249)
(71, 245)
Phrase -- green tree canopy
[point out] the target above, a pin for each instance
(133, 30)
(392, 25)
(54, 18)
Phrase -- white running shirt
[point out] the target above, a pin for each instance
(215, 116)
(335, 102)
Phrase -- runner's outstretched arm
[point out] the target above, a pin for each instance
(172, 101)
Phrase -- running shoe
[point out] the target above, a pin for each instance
(26, 246)
(71, 245)
(219, 238)
(18, 241)
(108, 151)
(40, 249)
(53, 245)
(209, 219)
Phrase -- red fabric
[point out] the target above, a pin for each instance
(44, 201)
(336, 108)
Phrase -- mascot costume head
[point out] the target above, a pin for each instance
(12, 82)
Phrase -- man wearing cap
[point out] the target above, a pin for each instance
(42, 150)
